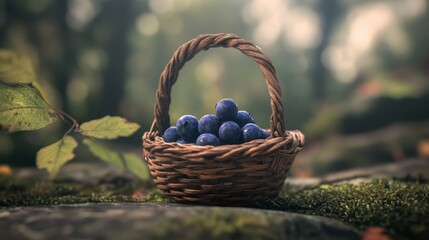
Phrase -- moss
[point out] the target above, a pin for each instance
(156, 196)
(399, 206)
(216, 224)
(26, 192)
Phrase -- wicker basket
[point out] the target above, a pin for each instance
(248, 173)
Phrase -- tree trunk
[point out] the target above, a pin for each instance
(328, 11)
(115, 73)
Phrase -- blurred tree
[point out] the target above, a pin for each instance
(67, 63)
(328, 10)
(121, 19)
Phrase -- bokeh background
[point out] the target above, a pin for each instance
(354, 74)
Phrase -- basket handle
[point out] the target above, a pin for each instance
(203, 42)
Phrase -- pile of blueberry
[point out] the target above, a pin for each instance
(229, 126)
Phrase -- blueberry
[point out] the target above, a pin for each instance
(230, 133)
(226, 109)
(243, 118)
(171, 135)
(209, 124)
(183, 141)
(208, 139)
(187, 127)
(251, 132)
(264, 134)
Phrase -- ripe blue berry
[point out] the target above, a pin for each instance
(264, 134)
(229, 133)
(251, 132)
(207, 139)
(209, 124)
(243, 118)
(187, 127)
(226, 109)
(183, 141)
(171, 135)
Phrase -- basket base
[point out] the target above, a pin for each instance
(233, 201)
(233, 191)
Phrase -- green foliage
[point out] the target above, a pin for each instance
(135, 164)
(54, 156)
(22, 108)
(396, 86)
(15, 69)
(22, 104)
(108, 128)
(122, 161)
(104, 153)
(327, 120)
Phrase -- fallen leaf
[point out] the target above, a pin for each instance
(423, 148)
(5, 169)
(375, 233)
(141, 193)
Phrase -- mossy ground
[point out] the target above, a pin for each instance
(400, 206)
(28, 192)
(217, 224)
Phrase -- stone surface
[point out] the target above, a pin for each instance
(142, 221)
(409, 167)
(174, 221)
(85, 173)
(414, 167)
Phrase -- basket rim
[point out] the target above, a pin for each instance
(290, 144)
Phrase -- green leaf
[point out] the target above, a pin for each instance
(15, 69)
(22, 108)
(104, 153)
(54, 156)
(129, 161)
(136, 165)
(109, 128)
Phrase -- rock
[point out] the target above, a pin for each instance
(83, 173)
(300, 183)
(416, 167)
(142, 221)
(90, 190)
(411, 167)
(395, 143)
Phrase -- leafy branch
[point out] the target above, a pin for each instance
(23, 108)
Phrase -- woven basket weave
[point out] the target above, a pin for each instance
(243, 174)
